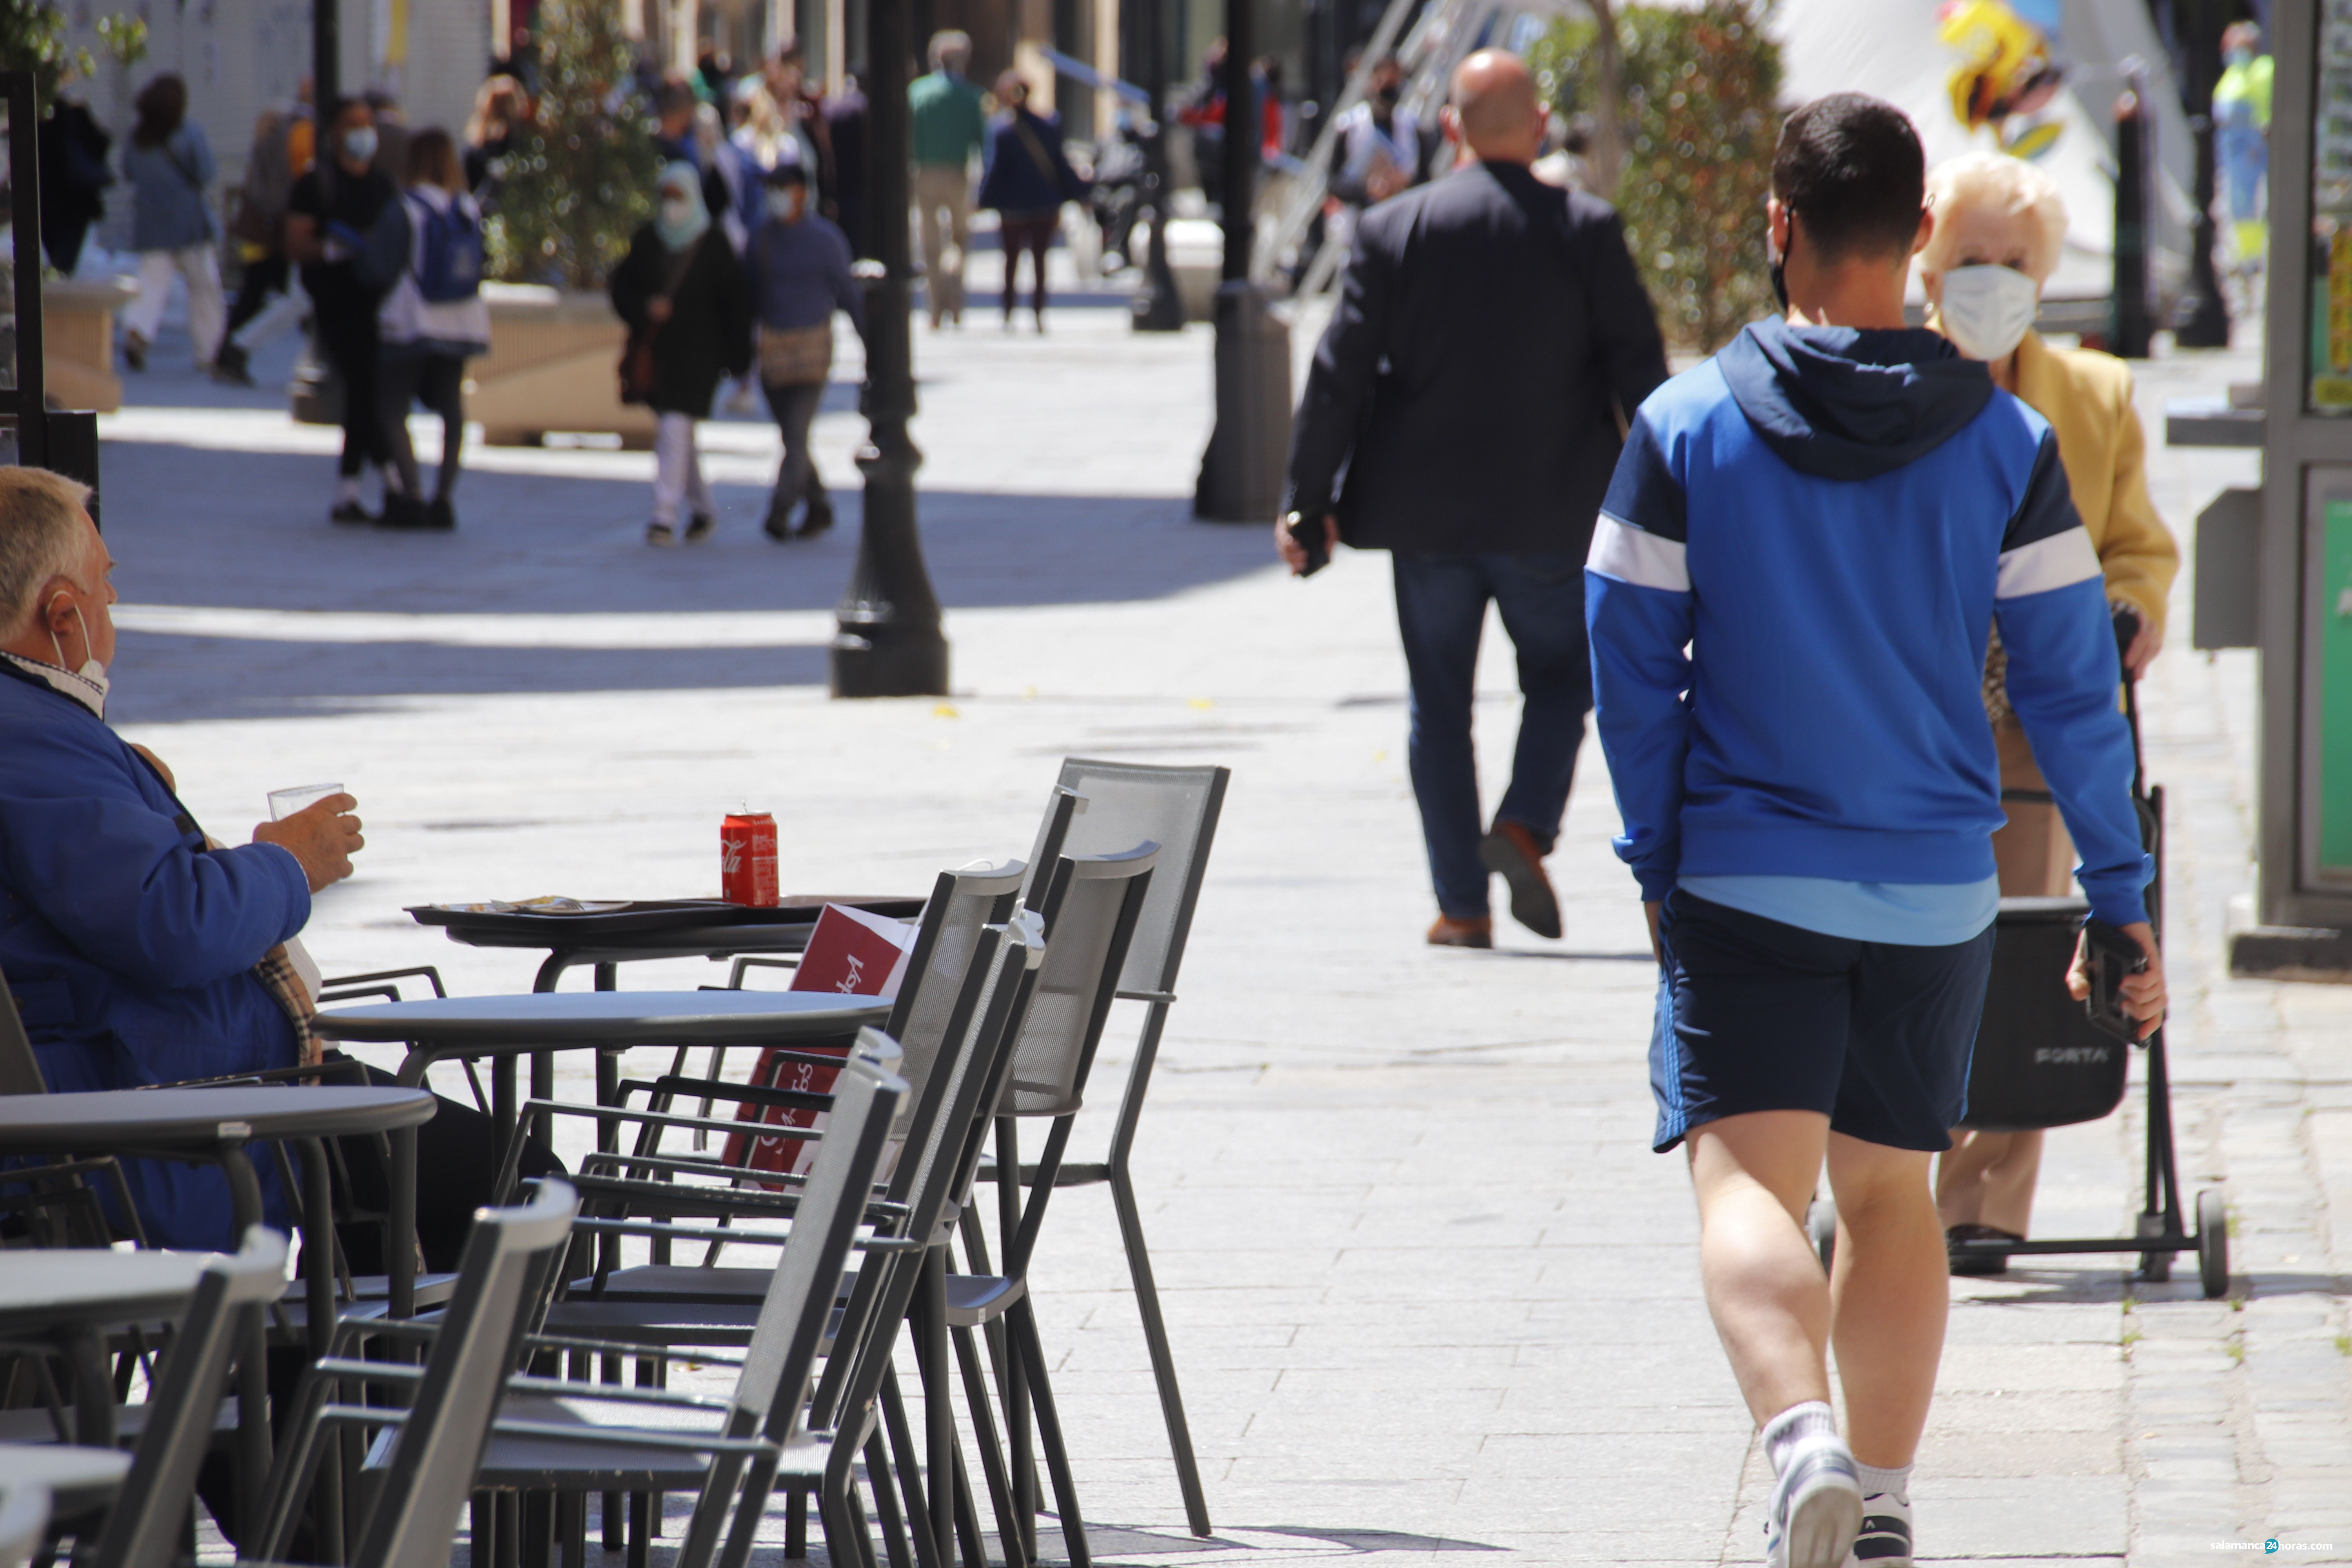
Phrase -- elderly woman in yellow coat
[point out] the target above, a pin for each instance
(2000, 224)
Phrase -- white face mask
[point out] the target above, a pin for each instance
(359, 144)
(1987, 309)
(784, 205)
(92, 673)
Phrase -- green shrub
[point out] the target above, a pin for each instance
(580, 178)
(1700, 115)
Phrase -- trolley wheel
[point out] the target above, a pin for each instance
(1821, 1222)
(2213, 1243)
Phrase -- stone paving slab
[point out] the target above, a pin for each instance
(1429, 1292)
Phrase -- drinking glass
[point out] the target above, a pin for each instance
(285, 803)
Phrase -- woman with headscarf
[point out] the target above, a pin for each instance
(2000, 226)
(169, 164)
(688, 308)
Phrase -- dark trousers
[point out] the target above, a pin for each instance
(347, 337)
(261, 280)
(62, 238)
(437, 381)
(1031, 232)
(1441, 600)
(797, 479)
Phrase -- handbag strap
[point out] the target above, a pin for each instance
(677, 269)
(1036, 151)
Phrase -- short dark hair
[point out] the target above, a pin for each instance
(788, 172)
(1850, 166)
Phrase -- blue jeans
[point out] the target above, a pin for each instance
(1441, 609)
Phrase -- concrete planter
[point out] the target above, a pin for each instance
(553, 365)
(77, 341)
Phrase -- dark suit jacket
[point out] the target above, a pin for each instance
(1490, 333)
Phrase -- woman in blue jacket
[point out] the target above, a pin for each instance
(1026, 179)
(170, 166)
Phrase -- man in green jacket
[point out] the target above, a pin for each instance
(950, 126)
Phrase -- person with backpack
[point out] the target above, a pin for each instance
(169, 164)
(428, 245)
(682, 292)
(330, 214)
(799, 264)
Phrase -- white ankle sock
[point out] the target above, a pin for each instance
(1893, 1482)
(1783, 1431)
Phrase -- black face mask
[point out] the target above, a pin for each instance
(1388, 96)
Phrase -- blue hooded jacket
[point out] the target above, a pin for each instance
(127, 945)
(1788, 593)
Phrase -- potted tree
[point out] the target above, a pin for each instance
(577, 181)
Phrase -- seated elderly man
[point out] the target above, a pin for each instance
(137, 951)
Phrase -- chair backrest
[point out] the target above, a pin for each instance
(939, 1172)
(773, 1385)
(1090, 908)
(962, 902)
(24, 1520)
(430, 1461)
(144, 1530)
(1176, 808)
(1063, 808)
(20, 1070)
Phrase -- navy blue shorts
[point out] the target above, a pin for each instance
(1754, 1015)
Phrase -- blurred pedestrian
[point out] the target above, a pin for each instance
(688, 308)
(433, 320)
(1027, 179)
(1491, 334)
(74, 175)
(2242, 130)
(950, 126)
(390, 133)
(170, 166)
(2000, 224)
(257, 224)
(845, 121)
(799, 265)
(677, 140)
(329, 215)
(501, 109)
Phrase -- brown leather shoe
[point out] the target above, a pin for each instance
(1451, 932)
(1510, 852)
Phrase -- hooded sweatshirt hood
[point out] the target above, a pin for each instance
(1851, 403)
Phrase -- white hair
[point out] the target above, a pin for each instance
(2009, 185)
(40, 539)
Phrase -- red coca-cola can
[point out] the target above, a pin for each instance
(747, 859)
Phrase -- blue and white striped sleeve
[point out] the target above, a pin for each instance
(2050, 602)
(1637, 612)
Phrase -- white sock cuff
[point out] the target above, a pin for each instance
(1798, 1421)
(1895, 1482)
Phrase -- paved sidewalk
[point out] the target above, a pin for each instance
(1430, 1293)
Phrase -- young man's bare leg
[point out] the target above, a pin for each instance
(1889, 1294)
(1753, 1175)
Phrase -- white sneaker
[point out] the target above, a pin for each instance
(1816, 1506)
(1886, 1538)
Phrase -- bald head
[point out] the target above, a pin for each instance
(1495, 108)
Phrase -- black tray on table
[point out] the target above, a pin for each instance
(642, 918)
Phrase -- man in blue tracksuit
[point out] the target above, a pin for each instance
(1804, 546)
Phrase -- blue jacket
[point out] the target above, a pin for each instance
(130, 947)
(169, 208)
(1017, 180)
(1789, 593)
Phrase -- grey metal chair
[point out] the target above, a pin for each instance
(1176, 808)
(1089, 908)
(547, 1442)
(145, 1527)
(24, 1519)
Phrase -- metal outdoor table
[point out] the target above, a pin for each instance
(215, 1125)
(71, 1296)
(606, 1022)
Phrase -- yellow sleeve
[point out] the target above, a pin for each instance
(2138, 553)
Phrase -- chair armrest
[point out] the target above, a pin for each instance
(743, 1093)
(357, 1071)
(1145, 995)
(623, 1348)
(753, 960)
(423, 971)
(616, 1394)
(664, 1119)
(733, 1237)
(636, 1438)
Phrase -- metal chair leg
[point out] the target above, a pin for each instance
(910, 1481)
(992, 1459)
(1049, 1431)
(885, 1507)
(1164, 1359)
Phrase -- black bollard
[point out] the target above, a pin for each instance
(1159, 308)
(2130, 337)
(2203, 319)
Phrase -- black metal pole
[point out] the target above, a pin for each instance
(2203, 320)
(24, 234)
(1158, 308)
(889, 643)
(1241, 133)
(2132, 327)
(326, 62)
(1242, 471)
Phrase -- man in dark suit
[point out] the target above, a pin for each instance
(1491, 340)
